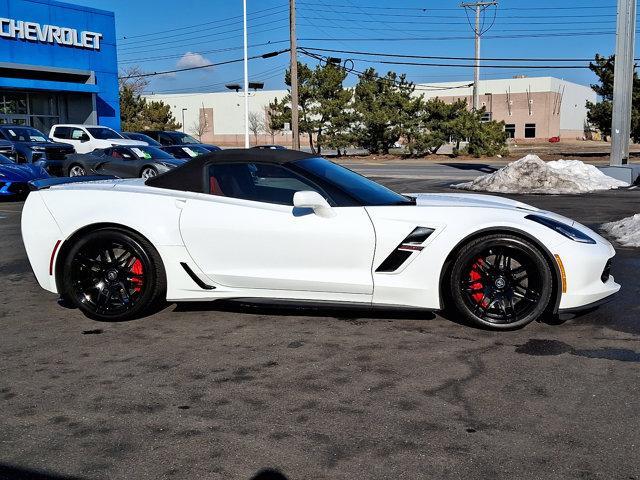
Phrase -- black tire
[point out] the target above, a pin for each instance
(148, 172)
(113, 275)
(76, 167)
(500, 282)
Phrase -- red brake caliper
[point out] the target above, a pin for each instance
(475, 277)
(137, 269)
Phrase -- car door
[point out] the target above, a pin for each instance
(247, 234)
(121, 162)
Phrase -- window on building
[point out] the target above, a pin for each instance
(486, 117)
(530, 130)
(510, 129)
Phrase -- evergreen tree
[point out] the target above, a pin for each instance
(600, 114)
(383, 107)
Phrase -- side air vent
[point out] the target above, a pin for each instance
(412, 243)
(195, 278)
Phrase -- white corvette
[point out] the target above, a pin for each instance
(281, 224)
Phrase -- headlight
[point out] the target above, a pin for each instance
(37, 148)
(561, 228)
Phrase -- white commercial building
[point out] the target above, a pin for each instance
(535, 109)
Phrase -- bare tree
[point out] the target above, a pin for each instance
(256, 123)
(270, 127)
(199, 127)
(129, 77)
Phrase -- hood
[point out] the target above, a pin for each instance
(127, 142)
(21, 173)
(49, 145)
(469, 200)
(472, 200)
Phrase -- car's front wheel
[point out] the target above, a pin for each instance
(113, 275)
(501, 282)
(77, 171)
(148, 172)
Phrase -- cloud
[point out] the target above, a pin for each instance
(190, 59)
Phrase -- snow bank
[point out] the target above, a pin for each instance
(625, 231)
(533, 175)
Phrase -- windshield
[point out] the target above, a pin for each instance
(151, 152)
(5, 161)
(25, 134)
(367, 192)
(103, 133)
(183, 138)
(141, 137)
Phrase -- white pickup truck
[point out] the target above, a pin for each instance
(86, 138)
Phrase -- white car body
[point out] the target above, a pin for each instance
(249, 249)
(84, 141)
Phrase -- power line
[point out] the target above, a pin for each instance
(147, 43)
(403, 39)
(202, 52)
(432, 57)
(222, 20)
(178, 70)
(427, 9)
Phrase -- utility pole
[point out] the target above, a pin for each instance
(246, 77)
(294, 76)
(479, 7)
(623, 83)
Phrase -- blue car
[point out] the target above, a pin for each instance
(14, 178)
(33, 147)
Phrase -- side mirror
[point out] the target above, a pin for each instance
(84, 138)
(315, 201)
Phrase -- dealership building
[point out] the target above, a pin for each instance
(58, 64)
(533, 109)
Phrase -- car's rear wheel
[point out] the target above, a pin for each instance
(77, 171)
(501, 282)
(148, 172)
(113, 275)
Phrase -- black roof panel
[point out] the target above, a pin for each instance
(189, 177)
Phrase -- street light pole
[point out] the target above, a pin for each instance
(246, 77)
(623, 83)
(183, 119)
(295, 134)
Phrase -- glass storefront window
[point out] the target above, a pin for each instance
(43, 104)
(13, 103)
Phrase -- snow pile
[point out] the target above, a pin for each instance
(625, 231)
(533, 175)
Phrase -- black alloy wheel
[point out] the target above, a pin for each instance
(501, 282)
(113, 275)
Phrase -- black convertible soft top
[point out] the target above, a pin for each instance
(191, 176)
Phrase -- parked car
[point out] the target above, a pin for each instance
(141, 137)
(270, 147)
(211, 148)
(86, 138)
(177, 138)
(7, 149)
(186, 151)
(32, 146)
(170, 137)
(288, 225)
(14, 178)
(123, 162)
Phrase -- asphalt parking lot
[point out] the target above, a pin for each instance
(221, 391)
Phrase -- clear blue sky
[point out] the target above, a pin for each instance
(156, 34)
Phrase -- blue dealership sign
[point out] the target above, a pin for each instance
(63, 49)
